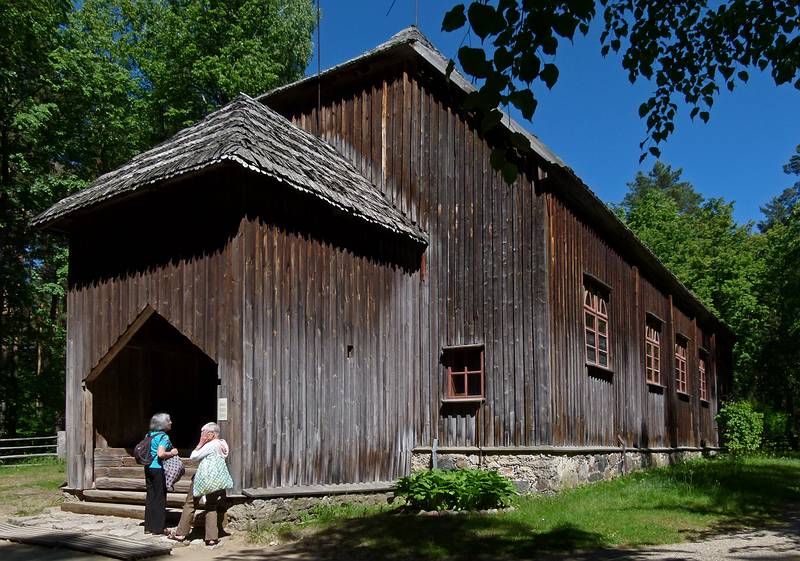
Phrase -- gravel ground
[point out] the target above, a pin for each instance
(777, 542)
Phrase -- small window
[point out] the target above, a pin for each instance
(595, 323)
(681, 377)
(652, 350)
(702, 362)
(464, 371)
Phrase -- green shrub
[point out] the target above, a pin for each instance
(740, 427)
(777, 431)
(463, 489)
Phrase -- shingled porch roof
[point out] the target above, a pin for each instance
(247, 133)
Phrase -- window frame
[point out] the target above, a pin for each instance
(449, 355)
(595, 308)
(653, 336)
(702, 371)
(681, 364)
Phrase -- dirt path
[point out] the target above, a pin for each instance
(778, 542)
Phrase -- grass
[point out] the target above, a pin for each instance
(28, 488)
(666, 505)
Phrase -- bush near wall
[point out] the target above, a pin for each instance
(741, 427)
(461, 489)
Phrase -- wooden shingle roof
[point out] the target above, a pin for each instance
(247, 133)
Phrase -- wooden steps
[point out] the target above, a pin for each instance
(129, 497)
(132, 472)
(119, 488)
(136, 484)
(111, 509)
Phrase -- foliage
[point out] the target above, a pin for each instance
(778, 209)
(664, 505)
(740, 426)
(465, 489)
(85, 86)
(690, 49)
(699, 241)
(778, 434)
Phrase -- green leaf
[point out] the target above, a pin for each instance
(549, 75)
(643, 109)
(484, 19)
(743, 76)
(525, 102)
(454, 19)
(474, 62)
(451, 65)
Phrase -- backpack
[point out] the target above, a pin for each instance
(143, 451)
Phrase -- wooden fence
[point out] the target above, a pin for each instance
(28, 447)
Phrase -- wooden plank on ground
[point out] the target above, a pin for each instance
(118, 548)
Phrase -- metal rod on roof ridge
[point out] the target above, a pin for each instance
(319, 71)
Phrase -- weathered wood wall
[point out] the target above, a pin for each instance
(483, 263)
(592, 406)
(327, 333)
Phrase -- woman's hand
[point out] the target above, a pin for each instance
(174, 452)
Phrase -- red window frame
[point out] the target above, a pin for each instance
(595, 326)
(702, 368)
(652, 346)
(681, 374)
(465, 371)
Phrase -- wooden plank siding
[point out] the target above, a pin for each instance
(592, 407)
(327, 333)
(478, 286)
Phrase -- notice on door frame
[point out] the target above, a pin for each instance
(222, 409)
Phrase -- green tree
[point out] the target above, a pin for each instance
(31, 344)
(85, 86)
(663, 178)
(780, 207)
(690, 49)
(721, 262)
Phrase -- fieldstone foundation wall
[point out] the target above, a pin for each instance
(548, 473)
(258, 513)
(531, 473)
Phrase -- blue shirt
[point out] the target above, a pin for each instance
(160, 438)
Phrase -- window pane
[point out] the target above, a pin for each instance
(474, 384)
(603, 359)
(590, 337)
(458, 384)
(601, 326)
(589, 320)
(649, 362)
(473, 361)
(591, 355)
(603, 343)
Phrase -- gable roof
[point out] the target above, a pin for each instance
(411, 42)
(247, 133)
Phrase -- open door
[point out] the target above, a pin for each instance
(156, 370)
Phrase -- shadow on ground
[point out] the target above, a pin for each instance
(749, 493)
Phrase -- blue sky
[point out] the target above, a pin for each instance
(590, 117)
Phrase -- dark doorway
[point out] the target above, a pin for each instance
(159, 370)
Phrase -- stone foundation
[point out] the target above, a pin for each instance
(258, 513)
(551, 472)
(531, 471)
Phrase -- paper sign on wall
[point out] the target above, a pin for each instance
(222, 409)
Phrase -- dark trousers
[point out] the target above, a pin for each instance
(212, 507)
(155, 510)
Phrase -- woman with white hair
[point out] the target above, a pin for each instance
(155, 510)
(210, 448)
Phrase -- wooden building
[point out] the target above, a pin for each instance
(336, 274)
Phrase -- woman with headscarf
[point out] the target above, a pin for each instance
(155, 510)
